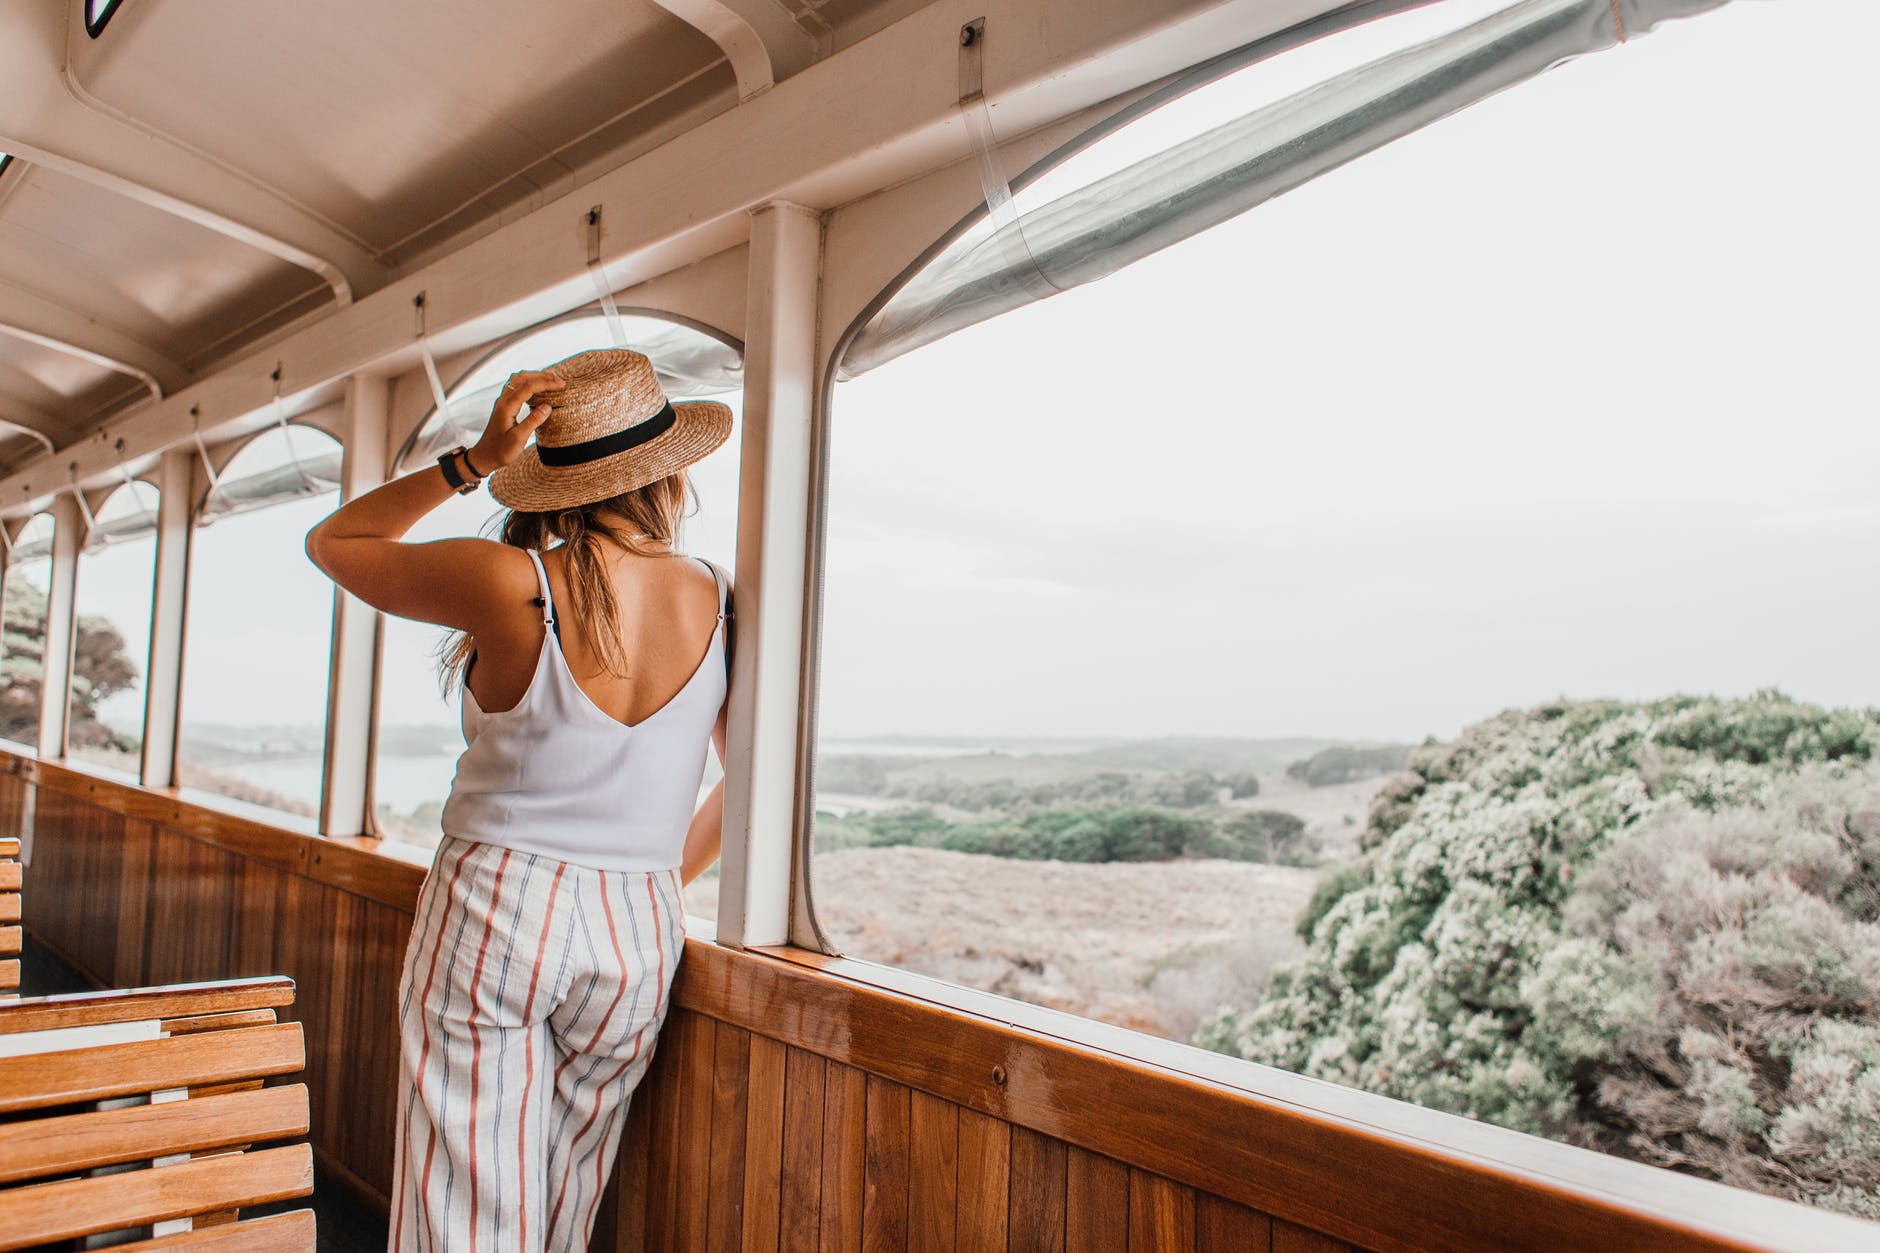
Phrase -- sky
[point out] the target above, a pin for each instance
(1567, 394)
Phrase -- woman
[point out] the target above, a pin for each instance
(593, 674)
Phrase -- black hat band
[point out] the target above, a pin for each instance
(565, 455)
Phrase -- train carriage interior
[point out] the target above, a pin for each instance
(1305, 596)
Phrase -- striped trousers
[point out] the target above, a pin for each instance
(532, 993)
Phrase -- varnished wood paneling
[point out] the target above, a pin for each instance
(1096, 1203)
(143, 888)
(845, 1108)
(801, 1215)
(985, 1160)
(885, 1167)
(694, 1066)
(1224, 1227)
(730, 1113)
(933, 1174)
(763, 1145)
(1037, 1193)
(1161, 1214)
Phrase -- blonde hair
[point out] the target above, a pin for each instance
(636, 521)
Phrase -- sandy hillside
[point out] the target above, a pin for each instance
(1154, 946)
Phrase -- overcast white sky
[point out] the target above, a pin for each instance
(1568, 394)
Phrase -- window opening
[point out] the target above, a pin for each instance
(22, 660)
(1408, 634)
(98, 13)
(258, 641)
(116, 581)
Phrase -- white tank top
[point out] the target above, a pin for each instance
(557, 776)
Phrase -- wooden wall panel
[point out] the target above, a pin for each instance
(933, 1178)
(730, 1115)
(763, 1145)
(845, 1111)
(1037, 1193)
(885, 1167)
(137, 888)
(1096, 1203)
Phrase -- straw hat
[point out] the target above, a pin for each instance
(610, 430)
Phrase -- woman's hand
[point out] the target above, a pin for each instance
(510, 428)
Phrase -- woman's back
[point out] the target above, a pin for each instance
(569, 760)
(667, 609)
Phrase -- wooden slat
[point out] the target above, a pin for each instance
(731, 1070)
(763, 1146)
(9, 876)
(130, 962)
(1292, 1238)
(9, 846)
(885, 1169)
(74, 1142)
(1224, 1227)
(42, 1212)
(39, 1080)
(630, 1194)
(1096, 1203)
(697, 1047)
(9, 906)
(83, 1009)
(9, 972)
(933, 1174)
(1161, 1214)
(800, 1218)
(219, 1022)
(845, 1142)
(985, 1181)
(12, 940)
(293, 1232)
(1037, 1193)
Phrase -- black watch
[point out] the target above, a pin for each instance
(447, 461)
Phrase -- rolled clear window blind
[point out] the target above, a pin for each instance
(1222, 172)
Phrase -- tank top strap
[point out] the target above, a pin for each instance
(547, 599)
(718, 577)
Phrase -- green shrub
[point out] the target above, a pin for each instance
(1653, 929)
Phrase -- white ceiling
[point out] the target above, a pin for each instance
(398, 129)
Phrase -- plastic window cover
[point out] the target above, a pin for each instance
(34, 543)
(291, 469)
(690, 364)
(1149, 204)
(128, 513)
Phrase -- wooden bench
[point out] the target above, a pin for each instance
(10, 938)
(137, 1109)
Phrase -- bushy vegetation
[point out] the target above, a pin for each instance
(1189, 789)
(1651, 929)
(101, 668)
(1125, 833)
(1342, 763)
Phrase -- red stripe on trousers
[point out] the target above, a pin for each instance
(528, 1056)
(417, 1079)
(476, 1037)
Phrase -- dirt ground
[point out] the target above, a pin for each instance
(1151, 946)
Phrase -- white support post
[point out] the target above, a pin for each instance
(773, 528)
(55, 690)
(169, 600)
(352, 672)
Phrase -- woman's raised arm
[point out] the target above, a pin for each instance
(359, 545)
